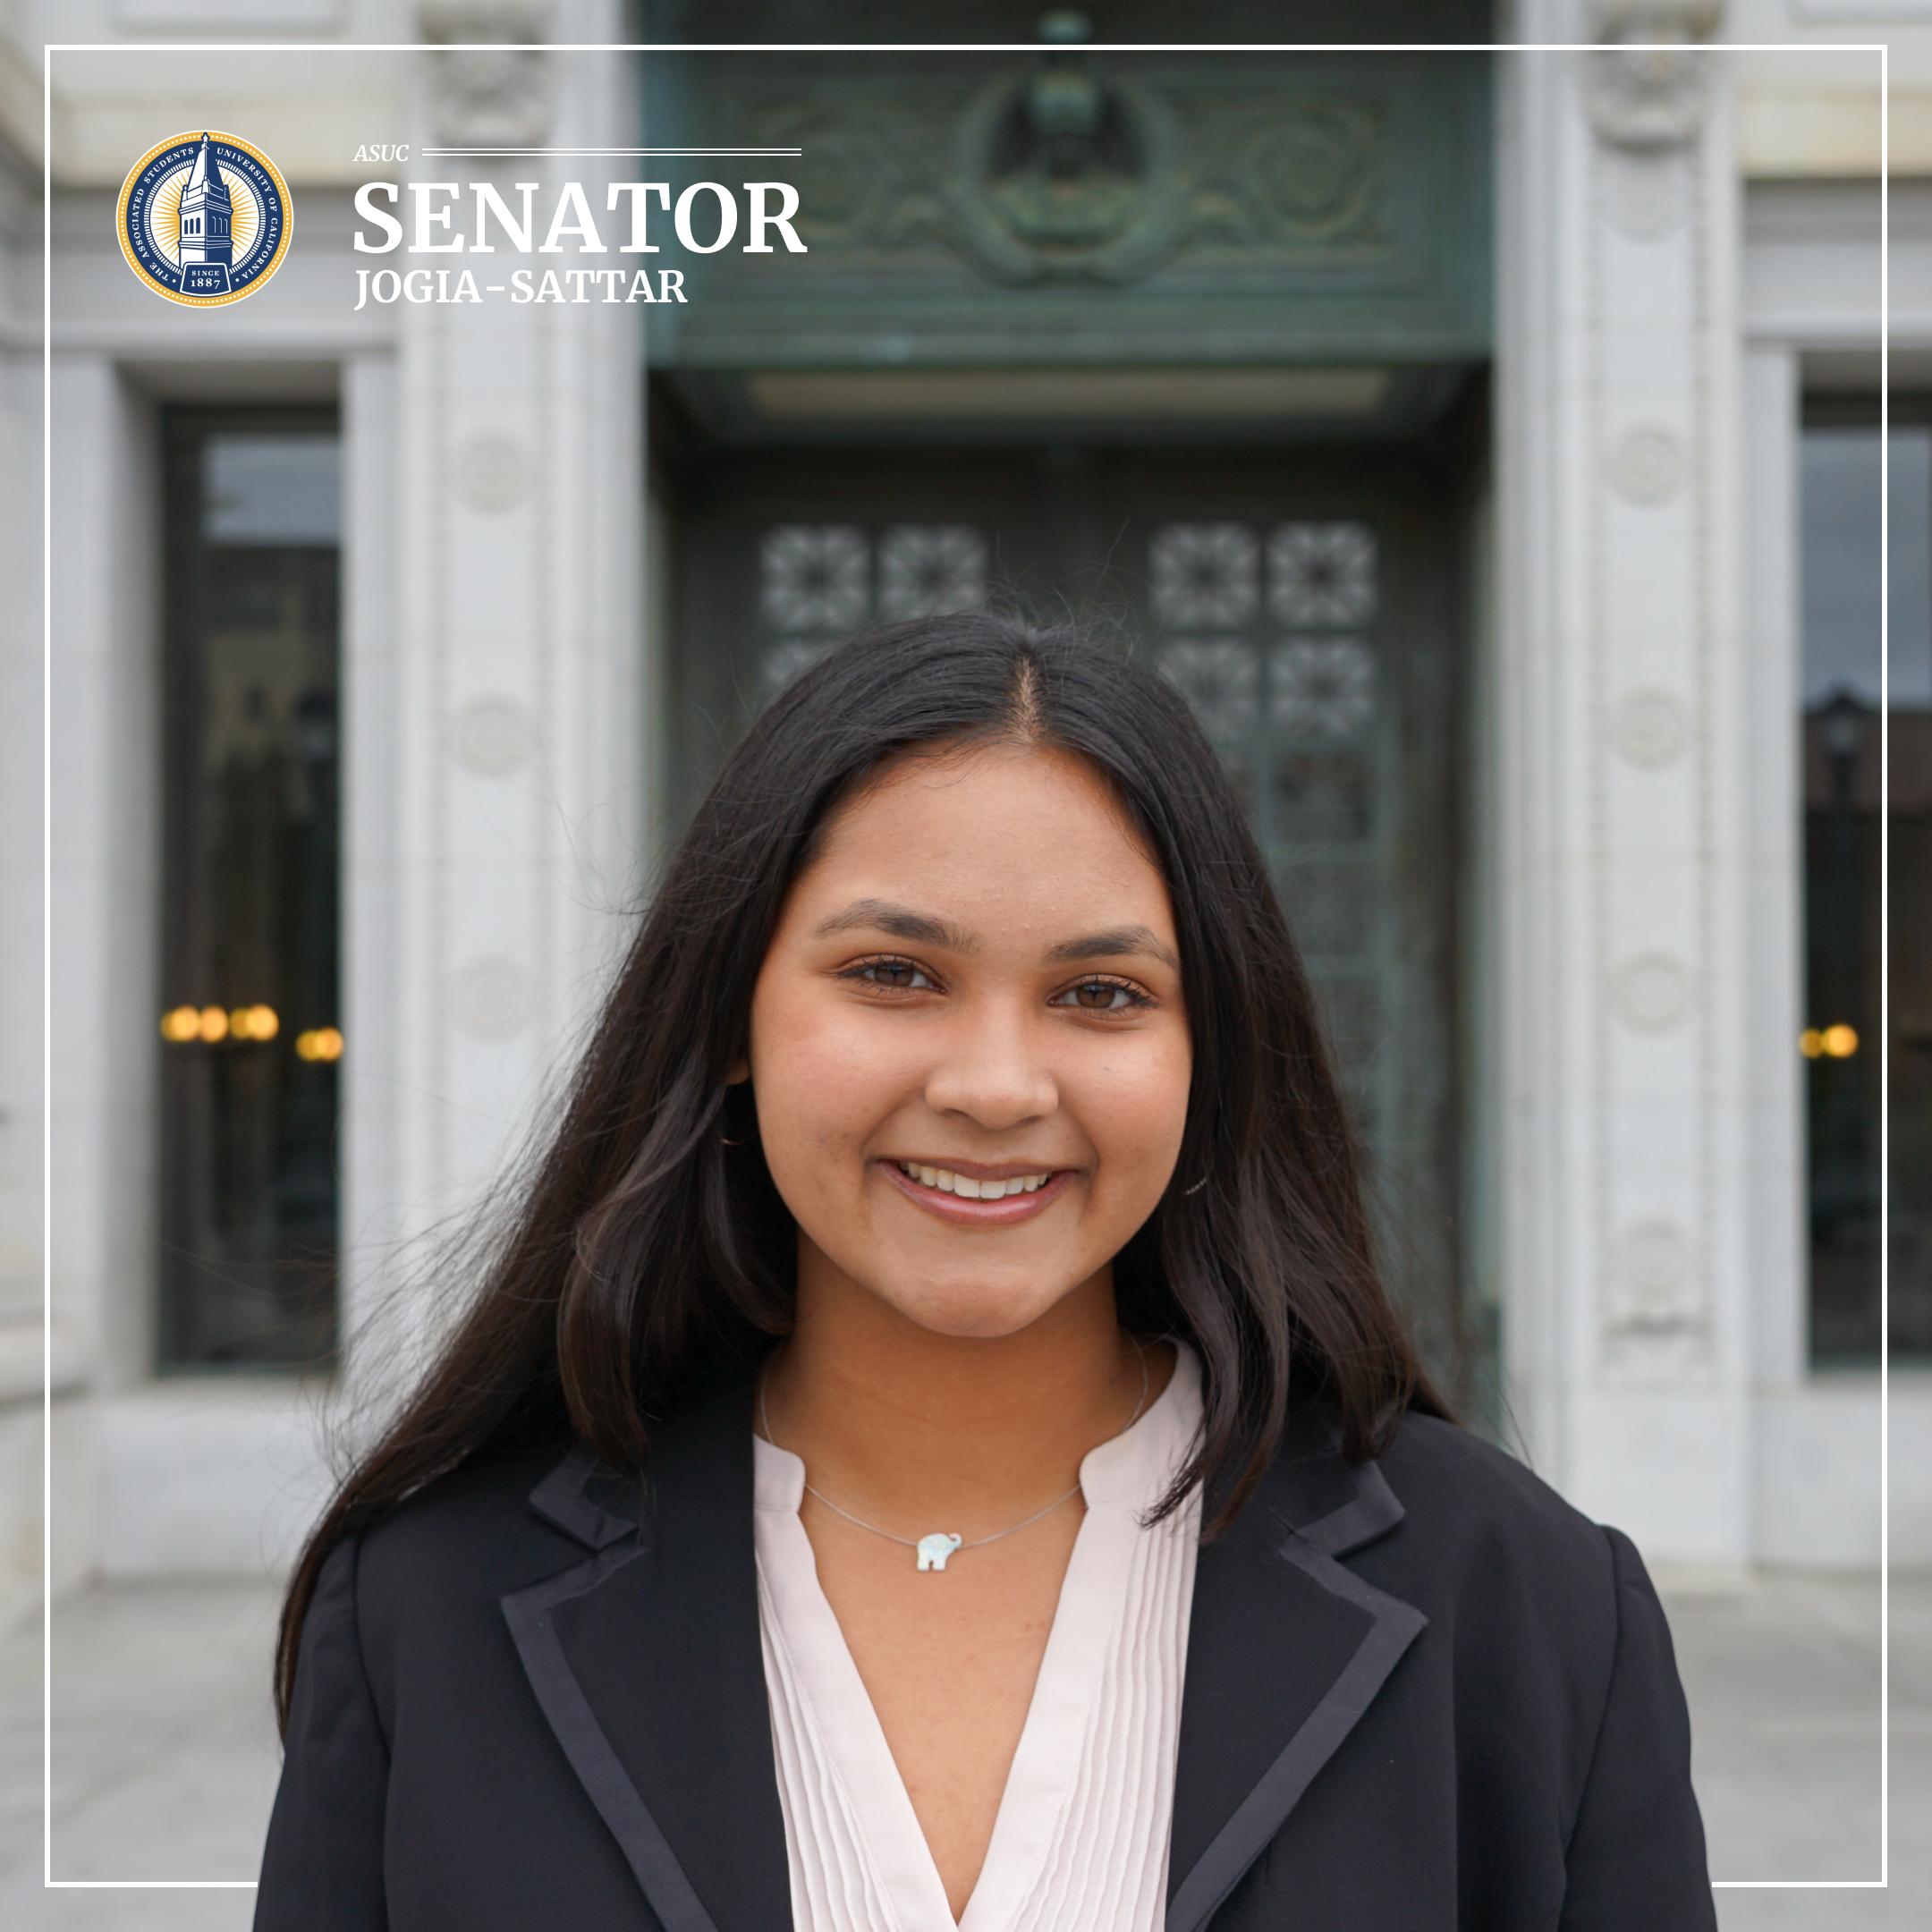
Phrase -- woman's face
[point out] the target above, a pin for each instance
(969, 1047)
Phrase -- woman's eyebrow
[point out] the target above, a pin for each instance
(919, 927)
(1118, 942)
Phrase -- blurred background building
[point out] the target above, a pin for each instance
(1486, 444)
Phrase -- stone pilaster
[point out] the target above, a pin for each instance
(1622, 781)
(516, 735)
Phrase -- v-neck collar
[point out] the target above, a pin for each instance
(644, 1657)
(1120, 1480)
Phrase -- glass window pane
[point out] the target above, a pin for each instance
(272, 489)
(1844, 808)
(250, 1022)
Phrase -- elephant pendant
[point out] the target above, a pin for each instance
(934, 1550)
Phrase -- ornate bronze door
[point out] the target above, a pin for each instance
(1302, 600)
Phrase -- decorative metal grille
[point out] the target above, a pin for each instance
(1288, 691)
(1322, 573)
(1205, 576)
(1324, 687)
(784, 661)
(815, 577)
(1221, 679)
(818, 583)
(930, 570)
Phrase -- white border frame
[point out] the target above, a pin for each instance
(945, 46)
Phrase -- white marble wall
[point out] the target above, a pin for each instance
(20, 876)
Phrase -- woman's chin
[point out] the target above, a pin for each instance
(979, 1313)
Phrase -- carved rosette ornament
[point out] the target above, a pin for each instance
(1646, 86)
(487, 96)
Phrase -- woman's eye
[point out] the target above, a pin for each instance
(899, 974)
(1100, 996)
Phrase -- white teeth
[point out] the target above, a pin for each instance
(967, 1189)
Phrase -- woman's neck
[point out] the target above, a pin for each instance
(895, 1421)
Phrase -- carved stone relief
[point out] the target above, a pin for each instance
(1650, 1263)
(1315, 175)
(1646, 85)
(494, 996)
(487, 96)
(1648, 726)
(1650, 992)
(494, 735)
(1063, 173)
(1647, 463)
(1071, 174)
(1655, 1311)
(492, 473)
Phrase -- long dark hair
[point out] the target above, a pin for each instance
(649, 1253)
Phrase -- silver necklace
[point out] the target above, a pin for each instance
(940, 1544)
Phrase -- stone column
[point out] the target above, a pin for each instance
(493, 905)
(1624, 755)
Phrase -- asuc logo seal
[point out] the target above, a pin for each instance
(204, 219)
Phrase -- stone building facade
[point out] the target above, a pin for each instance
(1449, 411)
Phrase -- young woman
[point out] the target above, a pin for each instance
(932, 1448)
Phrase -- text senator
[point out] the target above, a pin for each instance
(474, 217)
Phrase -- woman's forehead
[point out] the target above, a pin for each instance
(1049, 797)
(1002, 832)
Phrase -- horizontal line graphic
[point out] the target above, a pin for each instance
(428, 154)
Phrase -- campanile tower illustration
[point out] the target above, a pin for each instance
(207, 213)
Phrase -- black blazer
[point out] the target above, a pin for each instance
(1420, 1694)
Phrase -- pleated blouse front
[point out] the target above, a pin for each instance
(1080, 1840)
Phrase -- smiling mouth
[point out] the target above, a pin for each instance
(966, 1188)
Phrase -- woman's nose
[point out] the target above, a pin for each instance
(992, 1074)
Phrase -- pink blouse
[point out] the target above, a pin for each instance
(1080, 1840)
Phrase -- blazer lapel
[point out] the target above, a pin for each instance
(1286, 1649)
(645, 1660)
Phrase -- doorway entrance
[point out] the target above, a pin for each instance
(1306, 599)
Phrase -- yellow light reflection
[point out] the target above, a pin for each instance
(320, 1043)
(1829, 1043)
(211, 1023)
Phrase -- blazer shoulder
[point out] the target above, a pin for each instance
(1470, 1507)
(473, 1531)
(511, 1516)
